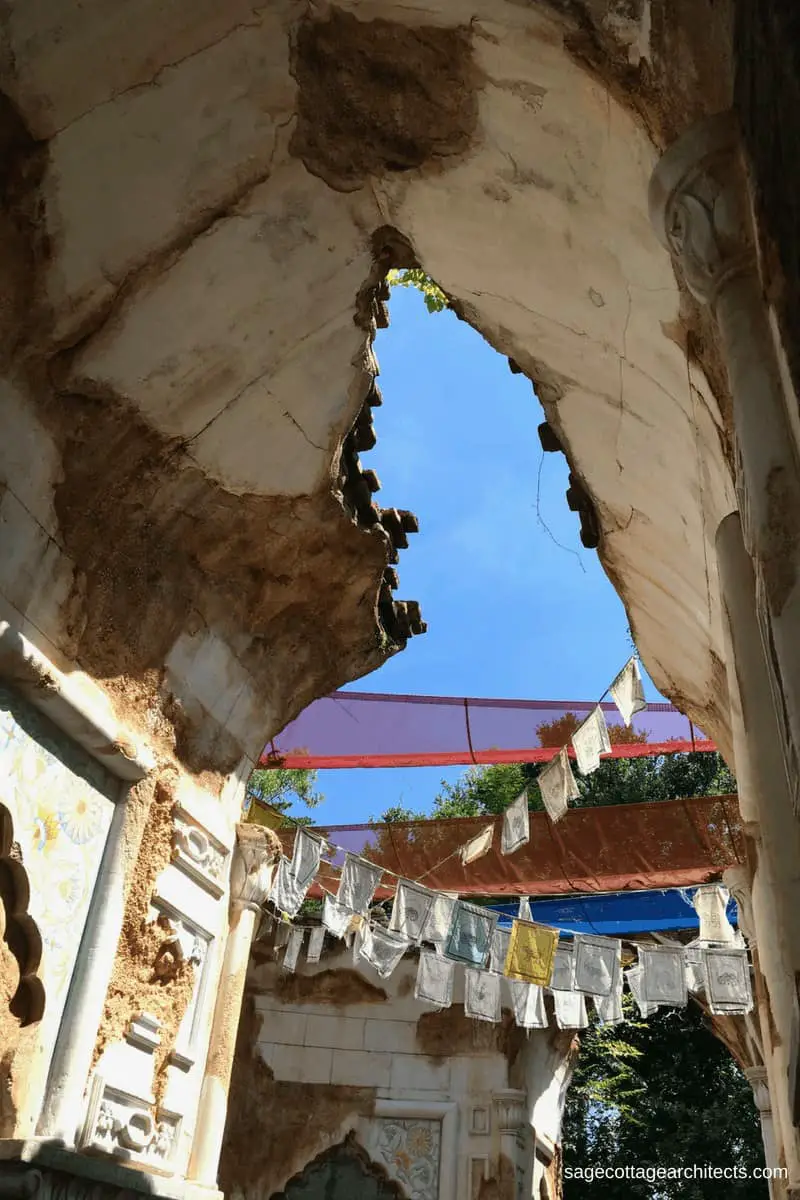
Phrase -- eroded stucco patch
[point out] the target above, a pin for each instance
(147, 975)
(274, 1129)
(448, 1033)
(376, 96)
(338, 987)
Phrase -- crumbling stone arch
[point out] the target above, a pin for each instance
(341, 1172)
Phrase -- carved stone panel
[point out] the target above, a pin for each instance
(409, 1149)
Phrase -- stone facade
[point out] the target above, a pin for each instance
(198, 212)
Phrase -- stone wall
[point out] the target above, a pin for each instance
(440, 1103)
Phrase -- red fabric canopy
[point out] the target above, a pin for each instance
(362, 729)
(672, 843)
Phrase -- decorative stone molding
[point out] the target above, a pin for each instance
(253, 866)
(697, 200)
(479, 1120)
(510, 1111)
(757, 1078)
(196, 852)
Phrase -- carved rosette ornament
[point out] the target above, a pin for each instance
(257, 851)
(698, 206)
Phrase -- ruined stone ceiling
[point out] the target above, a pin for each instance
(211, 184)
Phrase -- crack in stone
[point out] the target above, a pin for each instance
(154, 80)
(297, 425)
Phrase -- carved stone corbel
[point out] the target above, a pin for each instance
(698, 207)
(257, 851)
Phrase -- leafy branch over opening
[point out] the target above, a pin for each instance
(432, 294)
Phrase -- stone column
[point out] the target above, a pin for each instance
(757, 1078)
(251, 876)
(700, 209)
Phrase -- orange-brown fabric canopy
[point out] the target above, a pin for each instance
(673, 843)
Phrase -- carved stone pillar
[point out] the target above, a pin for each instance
(699, 206)
(251, 876)
(700, 209)
(757, 1078)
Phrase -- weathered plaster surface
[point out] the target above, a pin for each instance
(196, 222)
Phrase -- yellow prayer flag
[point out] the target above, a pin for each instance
(531, 952)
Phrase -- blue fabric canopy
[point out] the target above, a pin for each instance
(617, 914)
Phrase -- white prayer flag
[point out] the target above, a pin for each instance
(557, 785)
(499, 950)
(482, 995)
(524, 910)
(293, 947)
(590, 740)
(711, 903)
(528, 1003)
(335, 917)
(634, 978)
(597, 964)
(439, 919)
(728, 977)
(627, 691)
(382, 949)
(305, 858)
(316, 940)
(285, 893)
(663, 975)
(563, 977)
(609, 1008)
(695, 968)
(435, 976)
(570, 1010)
(516, 825)
(478, 846)
(411, 908)
(358, 883)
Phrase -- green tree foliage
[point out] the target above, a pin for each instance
(283, 787)
(660, 1093)
(432, 294)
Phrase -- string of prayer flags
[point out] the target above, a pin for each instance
(516, 825)
(557, 785)
(285, 893)
(478, 846)
(439, 920)
(597, 964)
(634, 980)
(411, 909)
(531, 953)
(470, 936)
(728, 988)
(590, 740)
(528, 1003)
(435, 976)
(663, 975)
(316, 940)
(499, 950)
(711, 903)
(627, 691)
(335, 917)
(570, 1010)
(482, 995)
(382, 948)
(358, 882)
(293, 948)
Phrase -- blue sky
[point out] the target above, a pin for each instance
(510, 613)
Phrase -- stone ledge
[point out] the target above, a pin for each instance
(33, 1161)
